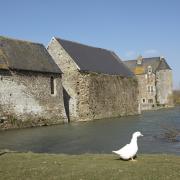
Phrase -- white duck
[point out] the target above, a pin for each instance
(129, 150)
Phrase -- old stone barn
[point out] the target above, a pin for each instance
(96, 83)
(30, 85)
(155, 82)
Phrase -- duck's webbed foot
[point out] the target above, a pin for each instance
(133, 159)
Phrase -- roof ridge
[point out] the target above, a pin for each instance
(144, 58)
(158, 57)
(20, 40)
(165, 63)
(94, 59)
(82, 44)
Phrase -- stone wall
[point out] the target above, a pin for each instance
(26, 99)
(70, 78)
(90, 96)
(105, 96)
(157, 87)
(147, 91)
(164, 88)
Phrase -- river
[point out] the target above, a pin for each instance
(100, 136)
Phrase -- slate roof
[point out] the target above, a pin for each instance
(24, 55)
(157, 63)
(92, 59)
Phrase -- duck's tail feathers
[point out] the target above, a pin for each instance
(114, 152)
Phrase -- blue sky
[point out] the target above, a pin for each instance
(128, 27)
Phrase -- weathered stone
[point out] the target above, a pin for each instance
(147, 91)
(31, 92)
(88, 95)
(25, 98)
(155, 82)
(164, 88)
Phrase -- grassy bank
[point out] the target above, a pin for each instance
(30, 166)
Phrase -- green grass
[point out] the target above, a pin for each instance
(31, 166)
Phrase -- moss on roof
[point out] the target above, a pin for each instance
(157, 63)
(25, 55)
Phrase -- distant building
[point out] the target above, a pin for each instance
(96, 82)
(155, 81)
(30, 85)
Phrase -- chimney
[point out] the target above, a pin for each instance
(162, 58)
(139, 60)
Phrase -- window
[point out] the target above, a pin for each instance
(150, 100)
(150, 88)
(149, 69)
(52, 84)
(143, 100)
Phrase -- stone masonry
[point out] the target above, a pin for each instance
(164, 88)
(154, 81)
(31, 92)
(26, 98)
(91, 95)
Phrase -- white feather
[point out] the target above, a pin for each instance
(129, 150)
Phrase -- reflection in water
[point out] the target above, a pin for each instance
(99, 136)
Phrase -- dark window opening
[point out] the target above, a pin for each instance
(52, 85)
(149, 69)
(144, 100)
(66, 98)
(150, 100)
(151, 88)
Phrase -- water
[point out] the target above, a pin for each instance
(100, 136)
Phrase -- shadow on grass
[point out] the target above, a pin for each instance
(125, 159)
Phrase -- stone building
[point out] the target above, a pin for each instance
(30, 85)
(96, 82)
(155, 81)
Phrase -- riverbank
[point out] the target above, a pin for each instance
(23, 166)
